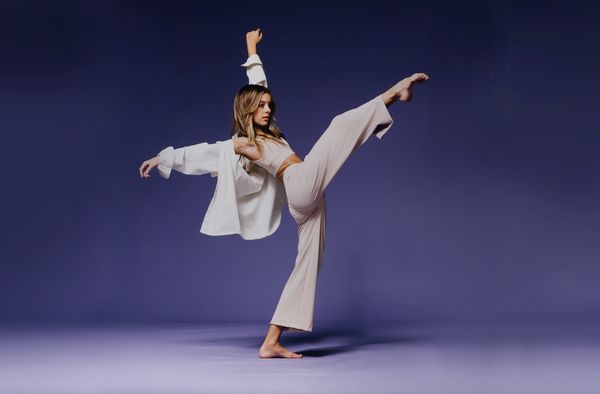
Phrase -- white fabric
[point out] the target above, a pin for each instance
(255, 71)
(244, 203)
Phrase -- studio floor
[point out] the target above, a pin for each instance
(223, 358)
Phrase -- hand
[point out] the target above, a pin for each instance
(253, 37)
(148, 165)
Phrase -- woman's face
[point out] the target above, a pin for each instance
(262, 115)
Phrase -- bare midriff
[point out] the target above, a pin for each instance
(288, 161)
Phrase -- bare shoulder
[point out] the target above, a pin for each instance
(243, 147)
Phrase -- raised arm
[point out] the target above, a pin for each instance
(253, 37)
(254, 67)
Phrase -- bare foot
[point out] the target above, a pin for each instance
(403, 89)
(276, 350)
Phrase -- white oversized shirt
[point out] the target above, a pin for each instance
(244, 203)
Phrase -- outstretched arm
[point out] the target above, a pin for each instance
(196, 159)
(254, 68)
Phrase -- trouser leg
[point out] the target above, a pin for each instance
(296, 304)
(346, 132)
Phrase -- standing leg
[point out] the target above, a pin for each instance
(295, 309)
(296, 304)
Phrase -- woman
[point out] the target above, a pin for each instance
(257, 139)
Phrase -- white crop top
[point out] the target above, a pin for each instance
(274, 153)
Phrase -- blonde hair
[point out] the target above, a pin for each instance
(245, 102)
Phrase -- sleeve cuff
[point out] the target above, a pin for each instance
(385, 121)
(165, 164)
(255, 71)
(254, 59)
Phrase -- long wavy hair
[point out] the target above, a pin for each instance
(246, 101)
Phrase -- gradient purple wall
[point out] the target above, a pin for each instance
(481, 203)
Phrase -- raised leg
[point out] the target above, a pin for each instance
(403, 90)
(346, 132)
(306, 181)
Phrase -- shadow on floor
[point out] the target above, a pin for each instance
(325, 341)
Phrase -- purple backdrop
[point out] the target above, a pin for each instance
(481, 203)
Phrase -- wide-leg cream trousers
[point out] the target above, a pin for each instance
(305, 185)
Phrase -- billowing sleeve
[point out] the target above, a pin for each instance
(255, 71)
(196, 159)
